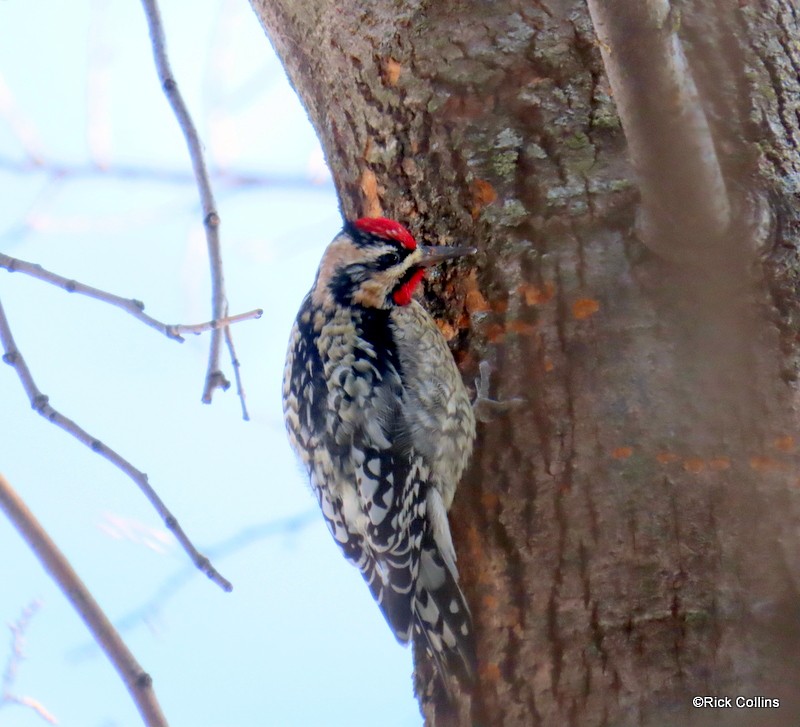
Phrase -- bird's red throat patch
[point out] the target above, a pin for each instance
(403, 295)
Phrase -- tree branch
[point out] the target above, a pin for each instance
(232, 545)
(15, 657)
(20, 125)
(214, 376)
(40, 403)
(237, 377)
(686, 211)
(129, 305)
(138, 682)
(230, 177)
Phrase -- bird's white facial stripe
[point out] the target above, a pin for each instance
(340, 253)
(377, 284)
(374, 291)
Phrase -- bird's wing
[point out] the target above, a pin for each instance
(391, 493)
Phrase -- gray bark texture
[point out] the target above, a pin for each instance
(629, 538)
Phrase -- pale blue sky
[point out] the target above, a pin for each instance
(299, 641)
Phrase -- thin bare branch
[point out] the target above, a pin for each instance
(237, 543)
(129, 305)
(214, 376)
(138, 681)
(236, 373)
(20, 125)
(131, 172)
(40, 403)
(686, 210)
(198, 328)
(99, 136)
(15, 656)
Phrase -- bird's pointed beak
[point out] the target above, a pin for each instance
(434, 255)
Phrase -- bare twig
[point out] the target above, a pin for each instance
(236, 373)
(40, 403)
(138, 681)
(129, 305)
(229, 178)
(15, 656)
(98, 96)
(686, 211)
(214, 376)
(174, 583)
(198, 328)
(21, 127)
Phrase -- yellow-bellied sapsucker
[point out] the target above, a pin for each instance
(377, 412)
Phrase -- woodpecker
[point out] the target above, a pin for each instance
(377, 412)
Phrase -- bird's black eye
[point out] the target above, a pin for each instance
(390, 259)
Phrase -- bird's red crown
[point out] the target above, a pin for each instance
(383, 227)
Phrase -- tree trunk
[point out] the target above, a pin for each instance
(629, 538)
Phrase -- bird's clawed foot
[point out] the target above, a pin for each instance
(487, 409)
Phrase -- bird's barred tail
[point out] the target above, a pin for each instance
(442, 621)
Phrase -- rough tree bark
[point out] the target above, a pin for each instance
(630, 538)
